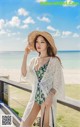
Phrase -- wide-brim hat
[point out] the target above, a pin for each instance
(33, 34)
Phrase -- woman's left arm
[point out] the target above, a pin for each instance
(58, 80)
(58, 83)
(49, 98)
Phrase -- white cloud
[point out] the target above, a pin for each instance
(15, 21)
(51, 28)
(9, 33)
(2, 32)
(41, 1)
(18, 38)
(78, 27)
(14, 34)
(76, 35)
(66, 33)
(44, 19)
(24, 26)
(8, 30)
(2, 23)
(56, 33)
(29, 20)
(22, 11)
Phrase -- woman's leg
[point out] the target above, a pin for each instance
(46, 116)
(32, 116)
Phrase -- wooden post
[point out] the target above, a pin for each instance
(1, 91)
(4, 92)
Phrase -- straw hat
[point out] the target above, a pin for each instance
(33, 34)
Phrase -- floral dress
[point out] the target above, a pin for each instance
(39, 97)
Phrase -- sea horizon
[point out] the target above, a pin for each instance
(13, 59)
(57, 51)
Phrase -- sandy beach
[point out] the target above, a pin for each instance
(70, 76)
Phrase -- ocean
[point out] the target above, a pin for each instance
(13, 59)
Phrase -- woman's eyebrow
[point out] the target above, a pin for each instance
(40, 41)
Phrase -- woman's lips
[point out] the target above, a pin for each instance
(38, 48)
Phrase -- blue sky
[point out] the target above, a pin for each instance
(19, 17)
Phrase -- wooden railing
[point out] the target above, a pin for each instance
(69, 102)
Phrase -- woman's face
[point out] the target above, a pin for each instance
(41, 44)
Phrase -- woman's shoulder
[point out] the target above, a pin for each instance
(32, 60)
(56, 61)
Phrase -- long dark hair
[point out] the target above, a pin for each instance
(50, 51)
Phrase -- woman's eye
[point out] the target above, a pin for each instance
(42, 42)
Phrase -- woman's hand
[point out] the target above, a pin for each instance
(49, 101)
(28, 49)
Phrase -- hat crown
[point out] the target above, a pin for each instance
(48, 36)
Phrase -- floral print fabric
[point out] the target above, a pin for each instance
(39, 97)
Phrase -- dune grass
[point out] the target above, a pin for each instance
(66, 117)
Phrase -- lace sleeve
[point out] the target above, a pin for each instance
(28, 76)
(58, 80)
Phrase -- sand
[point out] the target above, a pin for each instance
(71, 76)
(14, 74)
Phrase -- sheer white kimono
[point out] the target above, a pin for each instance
(52, 78)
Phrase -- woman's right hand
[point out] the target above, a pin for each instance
(28, 49)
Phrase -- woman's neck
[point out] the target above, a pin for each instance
(44, 56)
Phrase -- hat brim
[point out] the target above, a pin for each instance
(32, 36)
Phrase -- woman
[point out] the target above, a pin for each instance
(46, 76)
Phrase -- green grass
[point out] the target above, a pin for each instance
(73, 91)
(66, 117)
